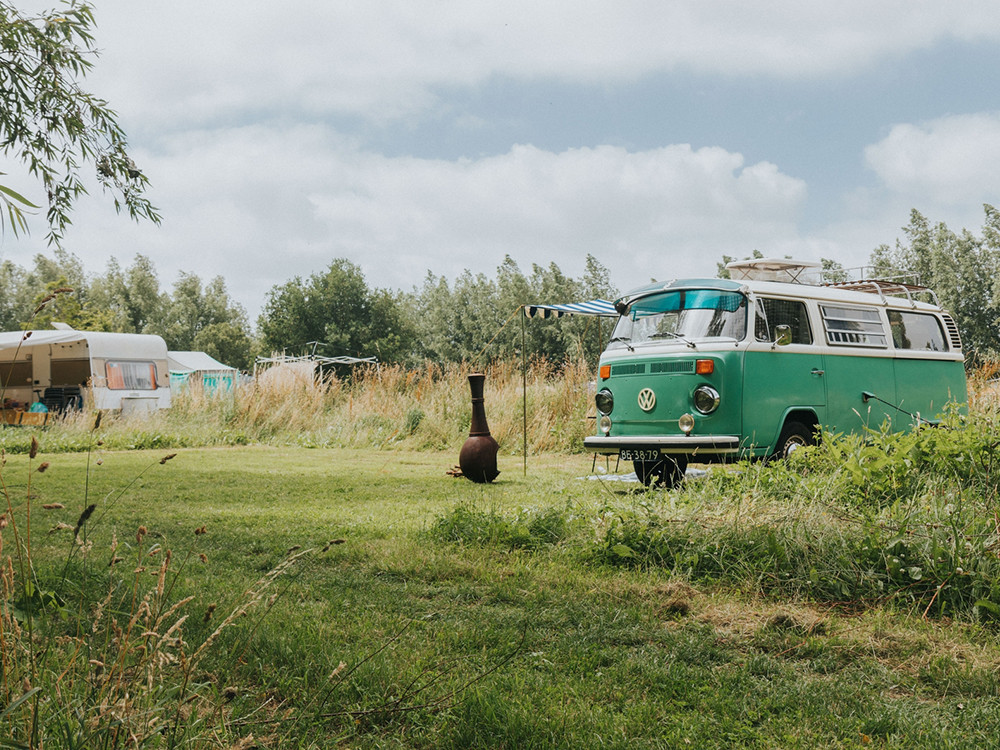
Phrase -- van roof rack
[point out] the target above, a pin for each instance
(787, 270)
(886, 288)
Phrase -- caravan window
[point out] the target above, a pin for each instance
(70, 371)
(14, 374)
(135, 376)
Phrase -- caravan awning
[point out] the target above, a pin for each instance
(599, 307)
(14, 339)
(194, 362)
(101, 344)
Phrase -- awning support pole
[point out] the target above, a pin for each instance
(524, 393)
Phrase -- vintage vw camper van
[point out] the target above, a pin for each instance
(707, 370)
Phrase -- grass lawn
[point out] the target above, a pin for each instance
(439, 644)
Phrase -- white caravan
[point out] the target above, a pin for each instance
(126, 371)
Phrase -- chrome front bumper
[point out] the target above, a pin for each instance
(688, 444)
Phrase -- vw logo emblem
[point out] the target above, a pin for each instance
(647, 399)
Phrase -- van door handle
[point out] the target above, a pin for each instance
(818, 372)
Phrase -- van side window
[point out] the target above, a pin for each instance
(853, 326)
(783, 312)
(912, 330)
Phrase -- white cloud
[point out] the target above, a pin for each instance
(651, 212)
(945, 162)
(277, 198)
(204, 60)
(259, 206)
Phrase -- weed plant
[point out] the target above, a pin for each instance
(526, 528)
(908, 518)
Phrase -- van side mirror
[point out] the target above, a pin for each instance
(783, 335)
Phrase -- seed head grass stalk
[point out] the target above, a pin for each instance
(382, 407)
(116, 672)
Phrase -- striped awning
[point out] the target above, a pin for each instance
(601, 307)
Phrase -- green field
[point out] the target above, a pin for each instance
(520, 614)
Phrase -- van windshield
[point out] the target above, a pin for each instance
(683, 315)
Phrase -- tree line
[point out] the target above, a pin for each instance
(334, 312)
(192, 316)
(474, 318)
(962, 268)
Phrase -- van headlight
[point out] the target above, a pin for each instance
(706, 399)
(605, 401)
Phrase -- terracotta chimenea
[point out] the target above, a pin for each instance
(478, 458)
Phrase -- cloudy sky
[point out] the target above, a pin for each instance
(439, 136)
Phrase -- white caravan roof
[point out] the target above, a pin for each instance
(101, 344)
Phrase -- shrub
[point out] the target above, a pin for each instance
(906, 517)
(526, 529)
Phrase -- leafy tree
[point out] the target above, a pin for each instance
(21, 291)
(833, 272)
(60, 303)
(961, 268)
(227, 341)
(338, 314)
(52, 125)
(476, 318)
(12, 311)
(206, 319)
(132, 297)
(62, 271)
(595, 282)
(430, 308)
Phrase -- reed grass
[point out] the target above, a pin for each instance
(382, 406)
(385, 406)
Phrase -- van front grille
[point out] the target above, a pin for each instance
(635, 369)
(673, 366)
(676, 366)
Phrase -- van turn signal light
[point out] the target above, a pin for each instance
(605, 372)
(704, 366)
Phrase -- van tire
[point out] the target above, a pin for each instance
(667, 472)
(794, 435)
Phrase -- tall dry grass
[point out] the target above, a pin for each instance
(984, 386)
(385, 406)
(390, 405)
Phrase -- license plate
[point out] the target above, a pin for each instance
(639, 454)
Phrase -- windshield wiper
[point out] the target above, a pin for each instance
(661, 334)
(624, 340)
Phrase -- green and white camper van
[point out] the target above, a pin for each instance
(708, 370)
